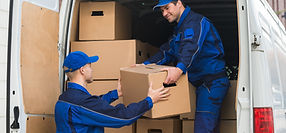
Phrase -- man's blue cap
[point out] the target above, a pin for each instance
(162, 3)
(77, 59)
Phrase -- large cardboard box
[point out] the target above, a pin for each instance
(114, 55)
(135, 84)
(226, 126)
(104, 21)
(125, 129)
(159, 126)
(103, 87)
(228, 106)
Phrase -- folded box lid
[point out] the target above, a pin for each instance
(145, 69)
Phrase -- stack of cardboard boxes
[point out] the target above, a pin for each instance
(105, 30)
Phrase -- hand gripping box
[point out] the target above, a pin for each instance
(135, 84)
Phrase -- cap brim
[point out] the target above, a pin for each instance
(93, 59)
(160, 4)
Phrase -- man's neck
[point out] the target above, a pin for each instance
(181, 12)
(80, 82)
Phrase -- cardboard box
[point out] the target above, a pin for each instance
(228, 105)
(125, 129)
(114, 55)
(104, 21)
(103, 87)
(226, 126)
(191, 115)
(159, 126)
(135, 84)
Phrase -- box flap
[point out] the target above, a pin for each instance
(145, 69)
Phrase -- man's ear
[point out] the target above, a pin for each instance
(180, 3)
(81, 70)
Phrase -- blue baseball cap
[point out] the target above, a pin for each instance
(77, 59)
(162, 3)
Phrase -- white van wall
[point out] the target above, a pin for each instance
(4, 14)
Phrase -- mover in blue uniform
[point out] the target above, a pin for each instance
(195, 48)
(77, 111)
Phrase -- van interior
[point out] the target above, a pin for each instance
(150, 26)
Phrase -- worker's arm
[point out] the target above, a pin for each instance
(95, 111)
(113, 95)
(110, 97)
(162, 57)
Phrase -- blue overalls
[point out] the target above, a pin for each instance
(79, 112)
(197, 49)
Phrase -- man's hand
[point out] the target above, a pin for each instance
(174, 74)
(159, 94)
(119, 91)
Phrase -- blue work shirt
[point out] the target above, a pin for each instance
(77, 111)
(195, 48)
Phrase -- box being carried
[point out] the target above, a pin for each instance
(135, 84)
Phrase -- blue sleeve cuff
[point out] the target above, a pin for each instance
(150, 103)
(182, 67)
(114, 94)
(146, 62)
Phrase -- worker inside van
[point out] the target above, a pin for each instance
(78, 111)
(195, 48)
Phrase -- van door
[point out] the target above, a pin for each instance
(35, 84)
(266, 33)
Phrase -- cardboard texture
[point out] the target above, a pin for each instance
(103, 87)
(39, 60)
(125, 129)
(114, 55)
(159, 126)
(104, 21)
(135, 84)
(226, 126)
(228, 105)
(191, 115)
(39, 124)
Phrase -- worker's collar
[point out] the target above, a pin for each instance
(77, 86)
(182, 18)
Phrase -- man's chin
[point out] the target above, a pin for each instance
(89, 81)
(170, 21)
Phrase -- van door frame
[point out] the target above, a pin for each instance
(244, 91)
(8, 66)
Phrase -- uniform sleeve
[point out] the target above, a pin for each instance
(192, 39)
(97, 112)
(110, 97)
(160, 58)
